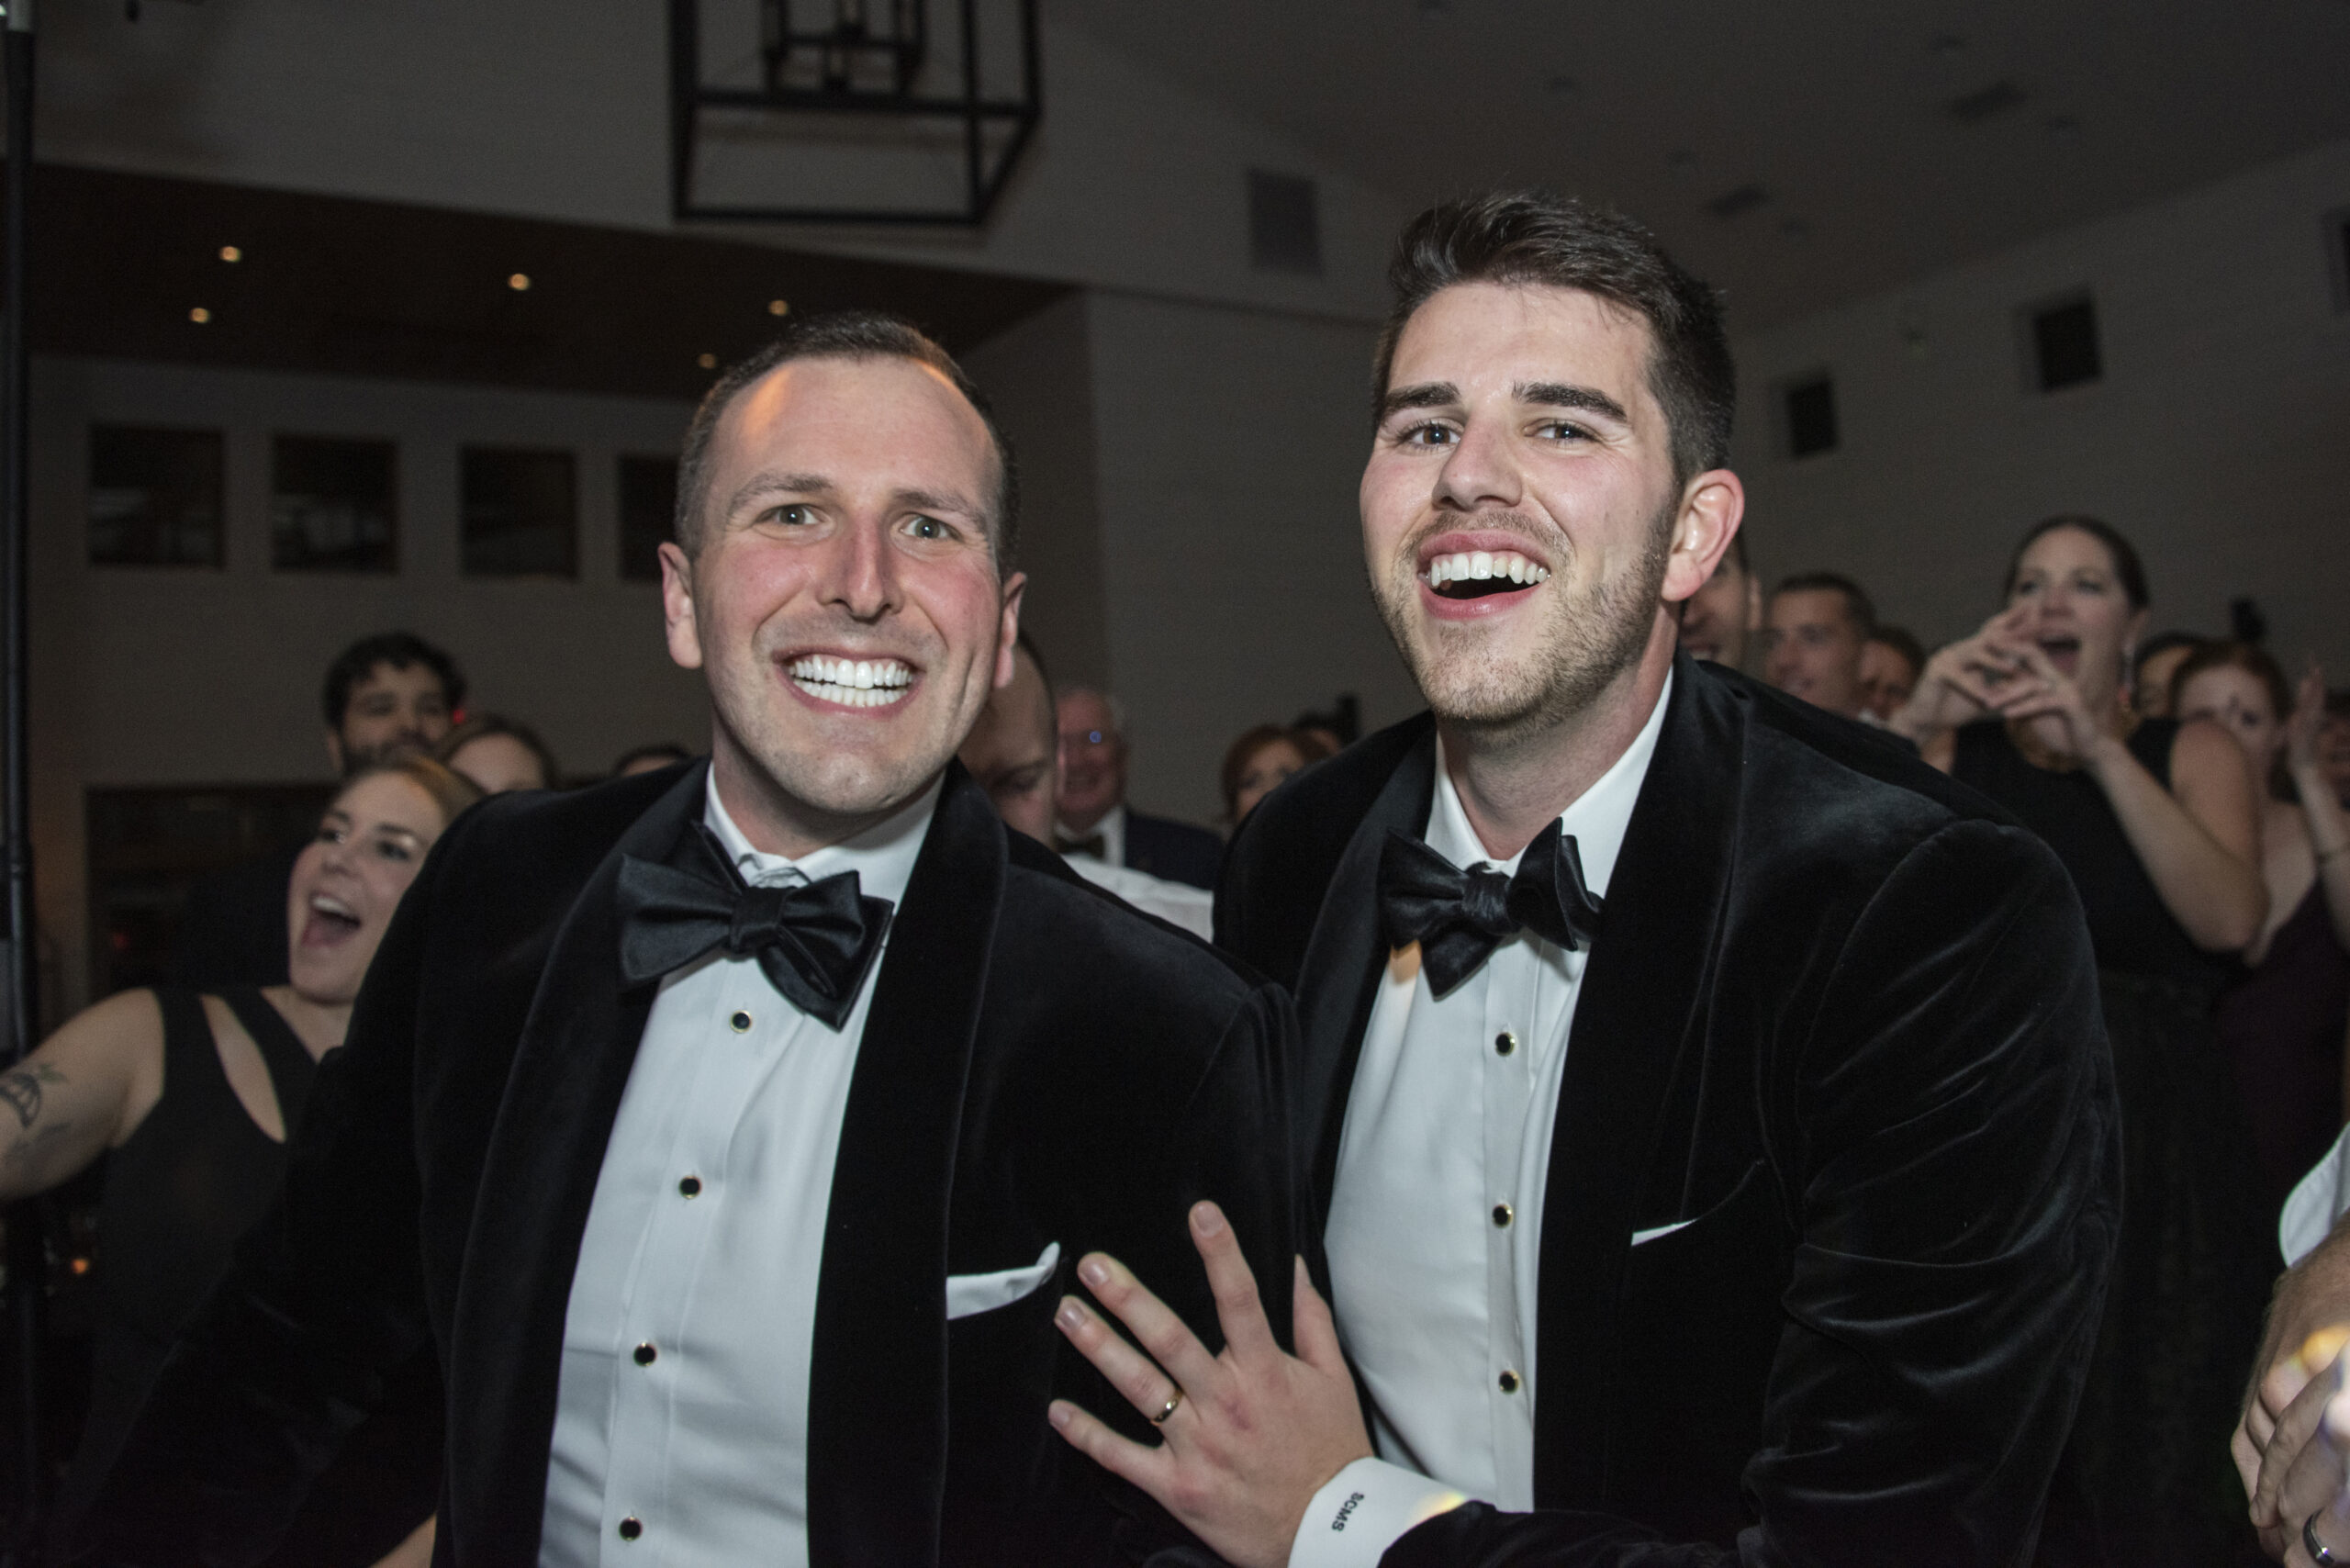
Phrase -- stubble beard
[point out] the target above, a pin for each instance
(1592, 638)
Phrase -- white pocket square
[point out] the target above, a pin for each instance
(969, 1294)
(1642, 1237)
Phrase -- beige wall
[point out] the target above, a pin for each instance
(186, 676)
(1231, 445)
(2219, 439)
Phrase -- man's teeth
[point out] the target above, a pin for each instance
(1481, 566)
(854, 683)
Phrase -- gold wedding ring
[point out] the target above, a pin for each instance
(1168, 1408)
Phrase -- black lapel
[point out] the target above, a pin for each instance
(877, 1395)
(1641, 997)
(1339, 978)
(538, 1182)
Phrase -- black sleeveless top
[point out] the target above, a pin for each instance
(2132, 931)
(179, 1193)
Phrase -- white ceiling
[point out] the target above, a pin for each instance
(1840, 112)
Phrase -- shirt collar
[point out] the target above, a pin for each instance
(882, 855)
(1113, 829)
(1596, 821)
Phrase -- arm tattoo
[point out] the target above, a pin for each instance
(21, 1087)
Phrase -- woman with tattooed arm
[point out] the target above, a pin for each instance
(193, 1098)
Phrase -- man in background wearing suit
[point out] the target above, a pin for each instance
(1704, 1103)
(1094, 820)
(735, 1128)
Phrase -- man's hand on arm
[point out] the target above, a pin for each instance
(1253, 1433)
(2286, 1404)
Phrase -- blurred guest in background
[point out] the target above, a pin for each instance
(1013, 753)
(650, 759)
(1719, 618)
(2152, 665)
(1889, 666)
(500, 754)
(2333, 744)
(193, 1098)
(1094, 820)
(1813, 632)
(2282, 1022)
(1257, 763)
(2158, 823)
(393, 694)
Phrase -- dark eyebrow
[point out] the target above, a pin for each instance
(938, 500)
(775, 484)
(1428, 395)
(1558, 395)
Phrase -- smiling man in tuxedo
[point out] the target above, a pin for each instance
(1705, 1103)
(735, 1128)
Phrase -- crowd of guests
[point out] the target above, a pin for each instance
(1921, 1010)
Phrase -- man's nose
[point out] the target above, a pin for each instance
(1481, 471)
(861, 575)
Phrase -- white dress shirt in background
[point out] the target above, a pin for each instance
(1434, 1232)
(1113, 829)
(681, 1416)
(1178, 904)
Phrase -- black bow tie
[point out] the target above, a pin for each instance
(1459, 917)
(1095, 843)
(813, 940)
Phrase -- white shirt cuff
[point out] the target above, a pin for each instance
(1364, 1509)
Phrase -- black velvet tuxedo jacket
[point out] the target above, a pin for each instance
(1040, 1064)
(1840, 1024)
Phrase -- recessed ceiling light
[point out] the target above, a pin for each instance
(1947, 46)
(1562, 86)
(231, 254)
(199, 314)
(708, 361)
(2063, 130)
(1683, 158)
(1795, 228)
(518, 282)
(779, 307)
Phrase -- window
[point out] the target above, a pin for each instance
(331, 505)
(648, 505)
(520, 513)
(154, 496)
(1284, 223)
(1810, 411)
(2063, 344)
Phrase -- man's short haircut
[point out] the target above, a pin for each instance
(1533, 238)
(2127, 568)
(1902, 641)
(482, 726)
(1857, 608)
(401, 650)
(851, 335)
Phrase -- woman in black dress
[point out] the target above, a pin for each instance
(2158, 823)
(2282, 1021)
(192, 1098)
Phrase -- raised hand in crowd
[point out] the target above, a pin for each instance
(1963, 680)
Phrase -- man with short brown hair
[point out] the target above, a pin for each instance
(1705, 1107)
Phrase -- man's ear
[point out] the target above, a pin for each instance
(677, 607)
(1015, 591)
(334, 751)
(1712, 505)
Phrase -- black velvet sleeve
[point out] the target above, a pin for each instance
(1229, 1143)
(1947, 1125)
(326, 1297)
